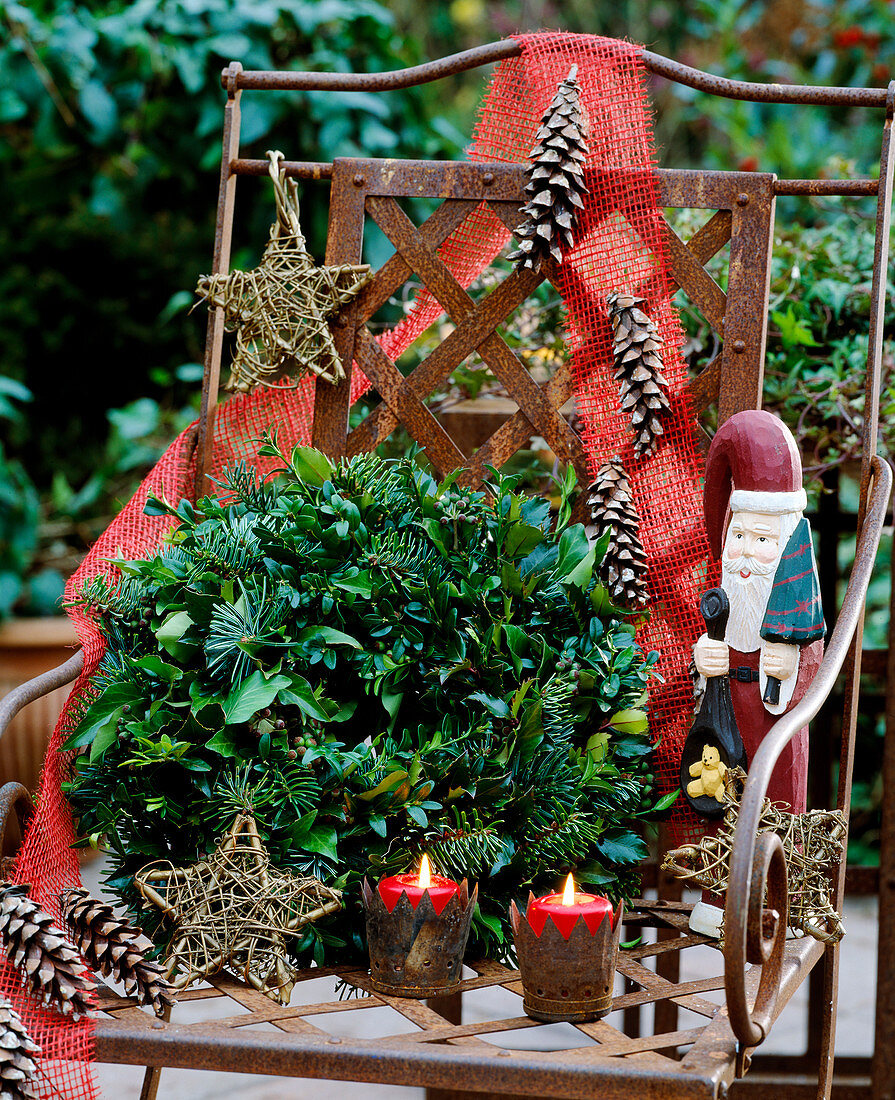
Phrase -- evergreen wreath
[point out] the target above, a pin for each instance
(373, 665)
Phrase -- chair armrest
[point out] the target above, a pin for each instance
(757, 862)
(19, 697)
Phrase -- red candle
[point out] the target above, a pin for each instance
(440, 890)
(564, 910)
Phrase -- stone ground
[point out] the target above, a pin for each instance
(855, 1027)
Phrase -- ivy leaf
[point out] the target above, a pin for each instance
(170, 635)
(105, 736)
(299, 693)
(581, 575)
(224, 743)
(630, 721)
(253, 694)
(155, 666)
(522, 539)
(321, 839)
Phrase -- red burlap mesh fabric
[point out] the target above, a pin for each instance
(620, 248)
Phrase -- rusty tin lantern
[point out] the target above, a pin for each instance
(566, 979)
(414, 951)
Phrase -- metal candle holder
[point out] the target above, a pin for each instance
(566, 979)
(414, 951)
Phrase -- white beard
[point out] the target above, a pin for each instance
(749, 598)
(748, 602)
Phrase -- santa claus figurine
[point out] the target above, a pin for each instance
(773, 641)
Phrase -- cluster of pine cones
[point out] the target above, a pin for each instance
(51, 962)
(554, 189)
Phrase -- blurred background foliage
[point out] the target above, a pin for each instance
(110, 116)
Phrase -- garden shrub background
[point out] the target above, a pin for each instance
(110, 120)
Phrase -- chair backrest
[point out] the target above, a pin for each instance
(743, 205)
(369, 190)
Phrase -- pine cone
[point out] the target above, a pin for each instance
(637, 348)
(51, 965)
(18, 1067)
(623, 569)
(555, 180)
(115, 948)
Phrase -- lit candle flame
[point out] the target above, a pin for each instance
(425, 876)
(568, 894)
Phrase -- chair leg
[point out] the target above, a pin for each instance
(151, 1082)
(828, 1035)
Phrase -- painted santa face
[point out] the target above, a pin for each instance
(748, 565)
(752, 545)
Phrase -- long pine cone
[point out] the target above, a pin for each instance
(18, 1054)
(623, 569)
(115, 948)
(637, 350)
(52, 967)
(555, 180)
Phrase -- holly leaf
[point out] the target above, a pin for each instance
(623, 847)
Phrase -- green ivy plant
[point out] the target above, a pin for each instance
(376, 666)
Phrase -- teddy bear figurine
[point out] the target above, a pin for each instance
(709, 772)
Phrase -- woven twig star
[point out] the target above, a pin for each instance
(812, 843)
(234, 910)
(280, 309)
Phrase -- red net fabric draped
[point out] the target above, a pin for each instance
(620, 248)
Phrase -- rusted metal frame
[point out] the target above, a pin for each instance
(883, 1064)
(396, 270)
(344, 245)
(748, 284)
(248, 997)
(452, 351)
(691, 275)
(483, 1068)
(223, 236)
(718, 1046)
(742, 902)
(16, 808)
(461, 308)
(26, 693)
(829, 523)
(406, 405)
(882, 1076)
(323, 170)
(499, 51)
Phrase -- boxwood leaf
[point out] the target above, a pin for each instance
(313, 467)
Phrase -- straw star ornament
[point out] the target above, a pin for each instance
(280, 310)
(235, 910)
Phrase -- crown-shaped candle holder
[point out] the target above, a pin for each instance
(566, 979)
(414, 950)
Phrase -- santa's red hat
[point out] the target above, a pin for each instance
(753, 465)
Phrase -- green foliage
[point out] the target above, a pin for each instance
(817, 335)
(19, 507)
(378, 666)
(111, 115)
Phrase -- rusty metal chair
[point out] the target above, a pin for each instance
(759, 975)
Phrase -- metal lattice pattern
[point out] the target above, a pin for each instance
(369, 189)
(259, 1036)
